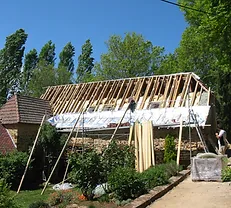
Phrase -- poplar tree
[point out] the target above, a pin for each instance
(66, 57)
(11, 63)
(85, 63)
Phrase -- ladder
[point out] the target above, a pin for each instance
(193, 116)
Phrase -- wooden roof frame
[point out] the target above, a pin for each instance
(169, 90)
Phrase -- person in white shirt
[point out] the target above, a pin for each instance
(221, 137)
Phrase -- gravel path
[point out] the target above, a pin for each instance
(190, 194)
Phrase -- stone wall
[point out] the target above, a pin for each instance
(99, 144)
(26, 135)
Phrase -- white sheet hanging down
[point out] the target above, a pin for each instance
(158, 116)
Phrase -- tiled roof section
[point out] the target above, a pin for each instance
(24, 109)
(31, 110)
(9, 111)
(6, 143)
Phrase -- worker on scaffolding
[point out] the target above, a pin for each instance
(221, 138)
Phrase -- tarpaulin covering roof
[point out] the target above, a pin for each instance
(159, 117)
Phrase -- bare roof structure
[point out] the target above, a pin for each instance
(163, 91)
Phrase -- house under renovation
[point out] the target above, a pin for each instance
(101, 111)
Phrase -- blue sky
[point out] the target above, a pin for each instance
(77, 20)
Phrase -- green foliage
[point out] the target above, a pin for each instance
(43, 75)
(63, 76)
(117, 156)
(51, 143)
(126, 183)
(130, 56)
(47, 54)
(30, 63)
(61, 199)
(155, 176)
(10, 63)
(6, 200)
(39, 204)
(85, 63)
(226, 174)
(12, 167)
(86, 172)
(160, 174)
(169, 149)
(66, 57)
(50, 139)
(205, 48)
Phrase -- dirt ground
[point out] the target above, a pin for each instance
(190, 194)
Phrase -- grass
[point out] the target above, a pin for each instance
(24, 198)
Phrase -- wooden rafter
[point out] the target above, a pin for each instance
(166, 89)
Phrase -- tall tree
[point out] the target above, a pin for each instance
(130, 56)
(66, 57)
(30, 63)
(10, 63)
(47, 54)
(43, 76)
(85, 63)
(209, 33)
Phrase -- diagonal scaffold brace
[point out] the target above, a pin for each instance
(31, 153)
(64, 147)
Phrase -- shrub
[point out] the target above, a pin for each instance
(12, 167)
(155, 176)
(6, 200)
(39, 204)
(126, 183)
(61, 198)
(86, 172)
(172, 168)
(226, 174)
(117, 156)
(169, 149)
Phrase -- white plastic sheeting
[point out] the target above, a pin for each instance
(158, 116)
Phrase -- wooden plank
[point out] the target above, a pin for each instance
(88, 94)
(110, 93)
(166, 90)
(136, 145)
(152, 143)
(73, 97)
(141, 161)
(130, 135)
(161, 86)
(194, 94)
(102, 94)
(179, 142)
(186, 90)
(155, 88)
(140, 86)
(176, 90)
(31, 153)
(63, 99)
(146, 92)
(127, 90)
(120, 91)
(91, 100)
(79, 97)
(172, 89)
(70, 98)
(209, 94)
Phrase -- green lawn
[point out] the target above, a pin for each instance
(24, 198)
